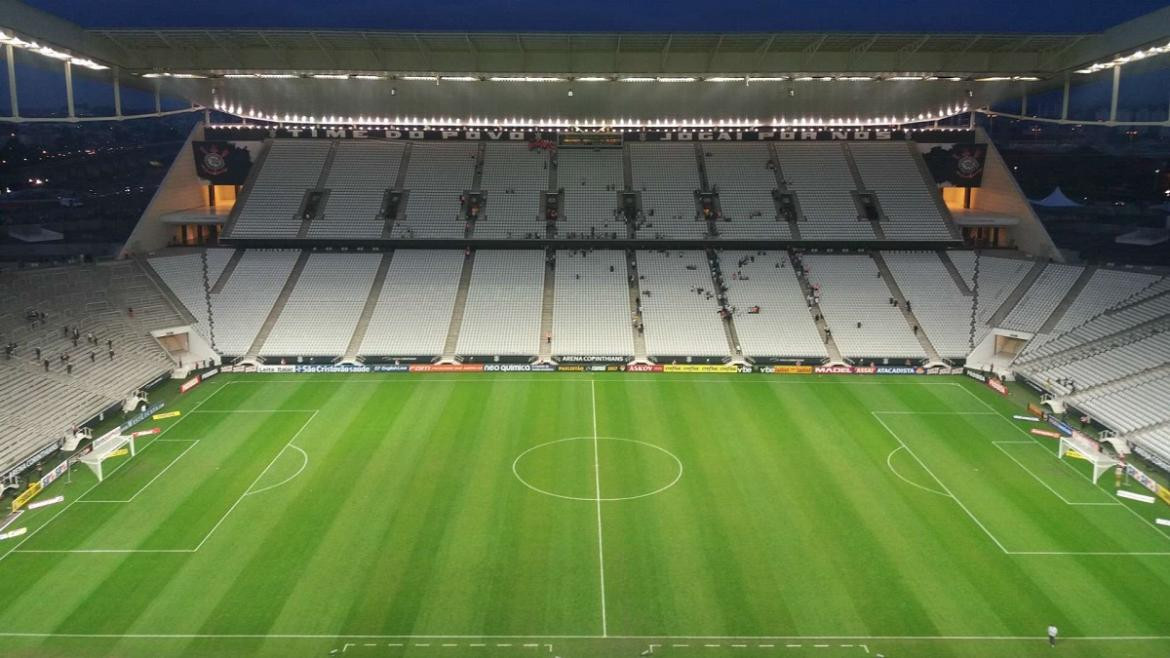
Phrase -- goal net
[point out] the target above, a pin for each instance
(105, 447)
(1080, 446)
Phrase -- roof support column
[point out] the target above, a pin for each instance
(13, 96)
(117, 92)
(157, 97)
(1023, 99)
(69, 89)
(1064, 98)
(1113, 96)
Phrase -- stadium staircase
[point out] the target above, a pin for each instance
(960, 282)
(859, 186)
(728, 324)
(359, 332)
(546, 311)
(399, 183)
(1069, 297)
(911, 320)
(274, 314)
(1022, 289)
(822, 324)
(457, 310)
(224, 276)
(334, 146)
(782, 186)
(639, 337)
(245, 190)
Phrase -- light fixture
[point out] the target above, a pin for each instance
(636, 79)
(724, 78)
(592, 78)
(904, 78)
(773, 78)
(676, 79)
(526, 79)
(369, 77)
(458, 78)
(32, 46)
(330, 76)
(422, 78)
(1119, 60)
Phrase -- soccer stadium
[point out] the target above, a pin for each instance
(583, 343)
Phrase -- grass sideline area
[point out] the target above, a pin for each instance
(588, 515)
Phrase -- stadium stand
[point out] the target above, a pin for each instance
(781, 324)
(911, 207)
(855, 301)
(323, 309)
(1103, 290)
(941, 307)
(361, 173)
(242, 306)
(290, 168)
(436, 176)
(819, 176)
(667, 177)
(592, 179)
(679, 308)
(415, 304)
(502, 315)
(514, 177)
(183, 274)
(744, 181)
(591, 308)
(1042, 298)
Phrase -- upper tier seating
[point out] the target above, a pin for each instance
(514, 179)
(361, 173)
(1046, 293)
(591, 307)
(592, 180)
(291, 168)
(940, 306)
(745, 184)
(910, 205)
(667, 176)
(819, 175)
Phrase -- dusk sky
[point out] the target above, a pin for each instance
(628, 15)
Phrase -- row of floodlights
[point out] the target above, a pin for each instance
(1126, 59)
(591, 78)
(32, 46)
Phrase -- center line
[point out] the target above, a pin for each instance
(597, 479)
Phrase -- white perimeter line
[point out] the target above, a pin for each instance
(95, 486)
(1032, 438)
(846, 638)
(597, 478)
(1111, 503)
(194, 442)
(262, 473)
(940, 482)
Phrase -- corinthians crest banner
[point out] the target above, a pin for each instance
(955, 165)
(223, 162)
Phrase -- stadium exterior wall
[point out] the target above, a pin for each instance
(180, 189)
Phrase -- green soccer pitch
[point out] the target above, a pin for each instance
(573, 515)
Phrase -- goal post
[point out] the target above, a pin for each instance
(104, 447)
(1081, 446)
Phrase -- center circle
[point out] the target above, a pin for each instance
(577, 467)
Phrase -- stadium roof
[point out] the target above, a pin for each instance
(216, 51)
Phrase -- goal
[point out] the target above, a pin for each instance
(104, 447)
(1086, 448)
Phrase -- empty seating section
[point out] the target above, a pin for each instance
(943, 311)
(740, 173)
(38, 406)
(361, 173)
(244, 303)
(591, 305)
(183, 274)
(514, 178)
(784, 325)
(819, 175)
(436, 176)
(321, 313)
(910, 205)
(667, 176)
(414, 307)
(271, 207)
(1042, 298)
(1102, 291)
(998, 277)
(1117, 362)
(855, 302)
(1133, 408)
(503, 308)
(592, 180)
(679, 309)
(1121, 318)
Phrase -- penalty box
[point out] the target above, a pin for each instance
(1022, 498)
(141, 496)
